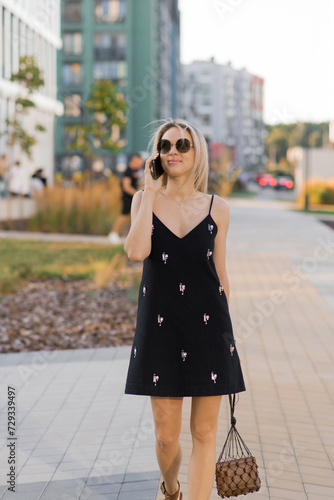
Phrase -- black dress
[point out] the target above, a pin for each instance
(184, 343)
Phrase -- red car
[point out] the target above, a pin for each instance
(267, 180)
(284, 182)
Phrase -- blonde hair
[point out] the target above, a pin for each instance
(201, 160)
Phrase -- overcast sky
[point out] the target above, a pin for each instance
(289, 43)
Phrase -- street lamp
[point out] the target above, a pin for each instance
(306, 204)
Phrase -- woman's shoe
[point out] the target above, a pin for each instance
(168, 496)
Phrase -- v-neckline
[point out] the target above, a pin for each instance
(193, 229)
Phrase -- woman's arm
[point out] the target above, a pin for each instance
(221, 215)
(138, 241)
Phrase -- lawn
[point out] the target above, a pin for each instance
(21, 259)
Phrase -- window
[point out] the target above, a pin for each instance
(206, 119)
(72, 43)
(72, 74)
(72, 12)
(69, 136)
(73, 105)
(110, 11)
(104, 70)
(109, 46)
(206, 100)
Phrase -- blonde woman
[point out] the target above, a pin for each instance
(184, 344)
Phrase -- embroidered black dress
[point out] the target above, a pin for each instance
(184, 343)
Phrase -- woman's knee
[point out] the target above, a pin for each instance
(167, 438)
(204, 433)
(167, 420)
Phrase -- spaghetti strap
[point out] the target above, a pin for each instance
(211, 204)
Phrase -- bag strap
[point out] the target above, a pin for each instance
(231, 398)
(234, 445)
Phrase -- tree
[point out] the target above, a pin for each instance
(30, 79)
(106, 108)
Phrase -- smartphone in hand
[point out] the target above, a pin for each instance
(156, 169)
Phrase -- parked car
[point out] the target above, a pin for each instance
(267, 180)
(284, 182)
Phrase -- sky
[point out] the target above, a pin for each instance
(288, 43)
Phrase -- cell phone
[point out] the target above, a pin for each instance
(157, 168)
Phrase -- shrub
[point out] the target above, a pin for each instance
(86, 209)
(320, 192)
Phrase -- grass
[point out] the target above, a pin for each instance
(23, 259)
(241, 194)
(310, 211)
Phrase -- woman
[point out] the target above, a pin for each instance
(184, 344)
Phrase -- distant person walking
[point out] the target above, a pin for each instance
(38, 182)
(15, 182)
(133, 174)
(3, 176)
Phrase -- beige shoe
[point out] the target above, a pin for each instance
(168, 496)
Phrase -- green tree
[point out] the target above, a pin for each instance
(30, 78)
(106, 117)
(285, 135)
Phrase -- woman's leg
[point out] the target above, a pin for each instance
(202, 465)
(167, 415)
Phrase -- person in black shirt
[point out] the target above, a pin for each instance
(132, 175)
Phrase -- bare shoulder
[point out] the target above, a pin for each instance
(220, 212)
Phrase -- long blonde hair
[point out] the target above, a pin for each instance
(201, 160)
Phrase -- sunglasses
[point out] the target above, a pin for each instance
(182, 145)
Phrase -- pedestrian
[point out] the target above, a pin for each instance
(184, 344)
(38, 182)
(15, 182)
(130, 179)
(3, 176)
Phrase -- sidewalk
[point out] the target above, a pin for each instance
(80, 437)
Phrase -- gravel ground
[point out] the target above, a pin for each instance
(65, 314)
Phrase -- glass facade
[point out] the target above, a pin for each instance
(72, 43)
(72, 74)
(73, 105)
(110, 11)
(109, 46)
(104, 70)
(72, 12)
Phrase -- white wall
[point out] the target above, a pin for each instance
(320, 164)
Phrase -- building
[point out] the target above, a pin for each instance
(311, 164)
(227, 105)
(30, 28)
(135, 43)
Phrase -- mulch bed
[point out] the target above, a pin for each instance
(65, 314)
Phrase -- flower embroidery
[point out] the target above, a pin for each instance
(135, 352)
(160, 319)
(183, 355)
(152, 228)
(213, 377)
(209, 253)
(205, 318)
(164, 257)
(155, 378)
(182, 288)
(144, 290)
(210, 228)
(221, 288)
(231, 349)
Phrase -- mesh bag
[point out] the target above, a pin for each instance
(236, 468)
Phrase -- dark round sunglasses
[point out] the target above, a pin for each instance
(182, 145)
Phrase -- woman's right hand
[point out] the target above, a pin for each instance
(150, 183)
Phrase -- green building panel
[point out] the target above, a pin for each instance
(87, 27)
